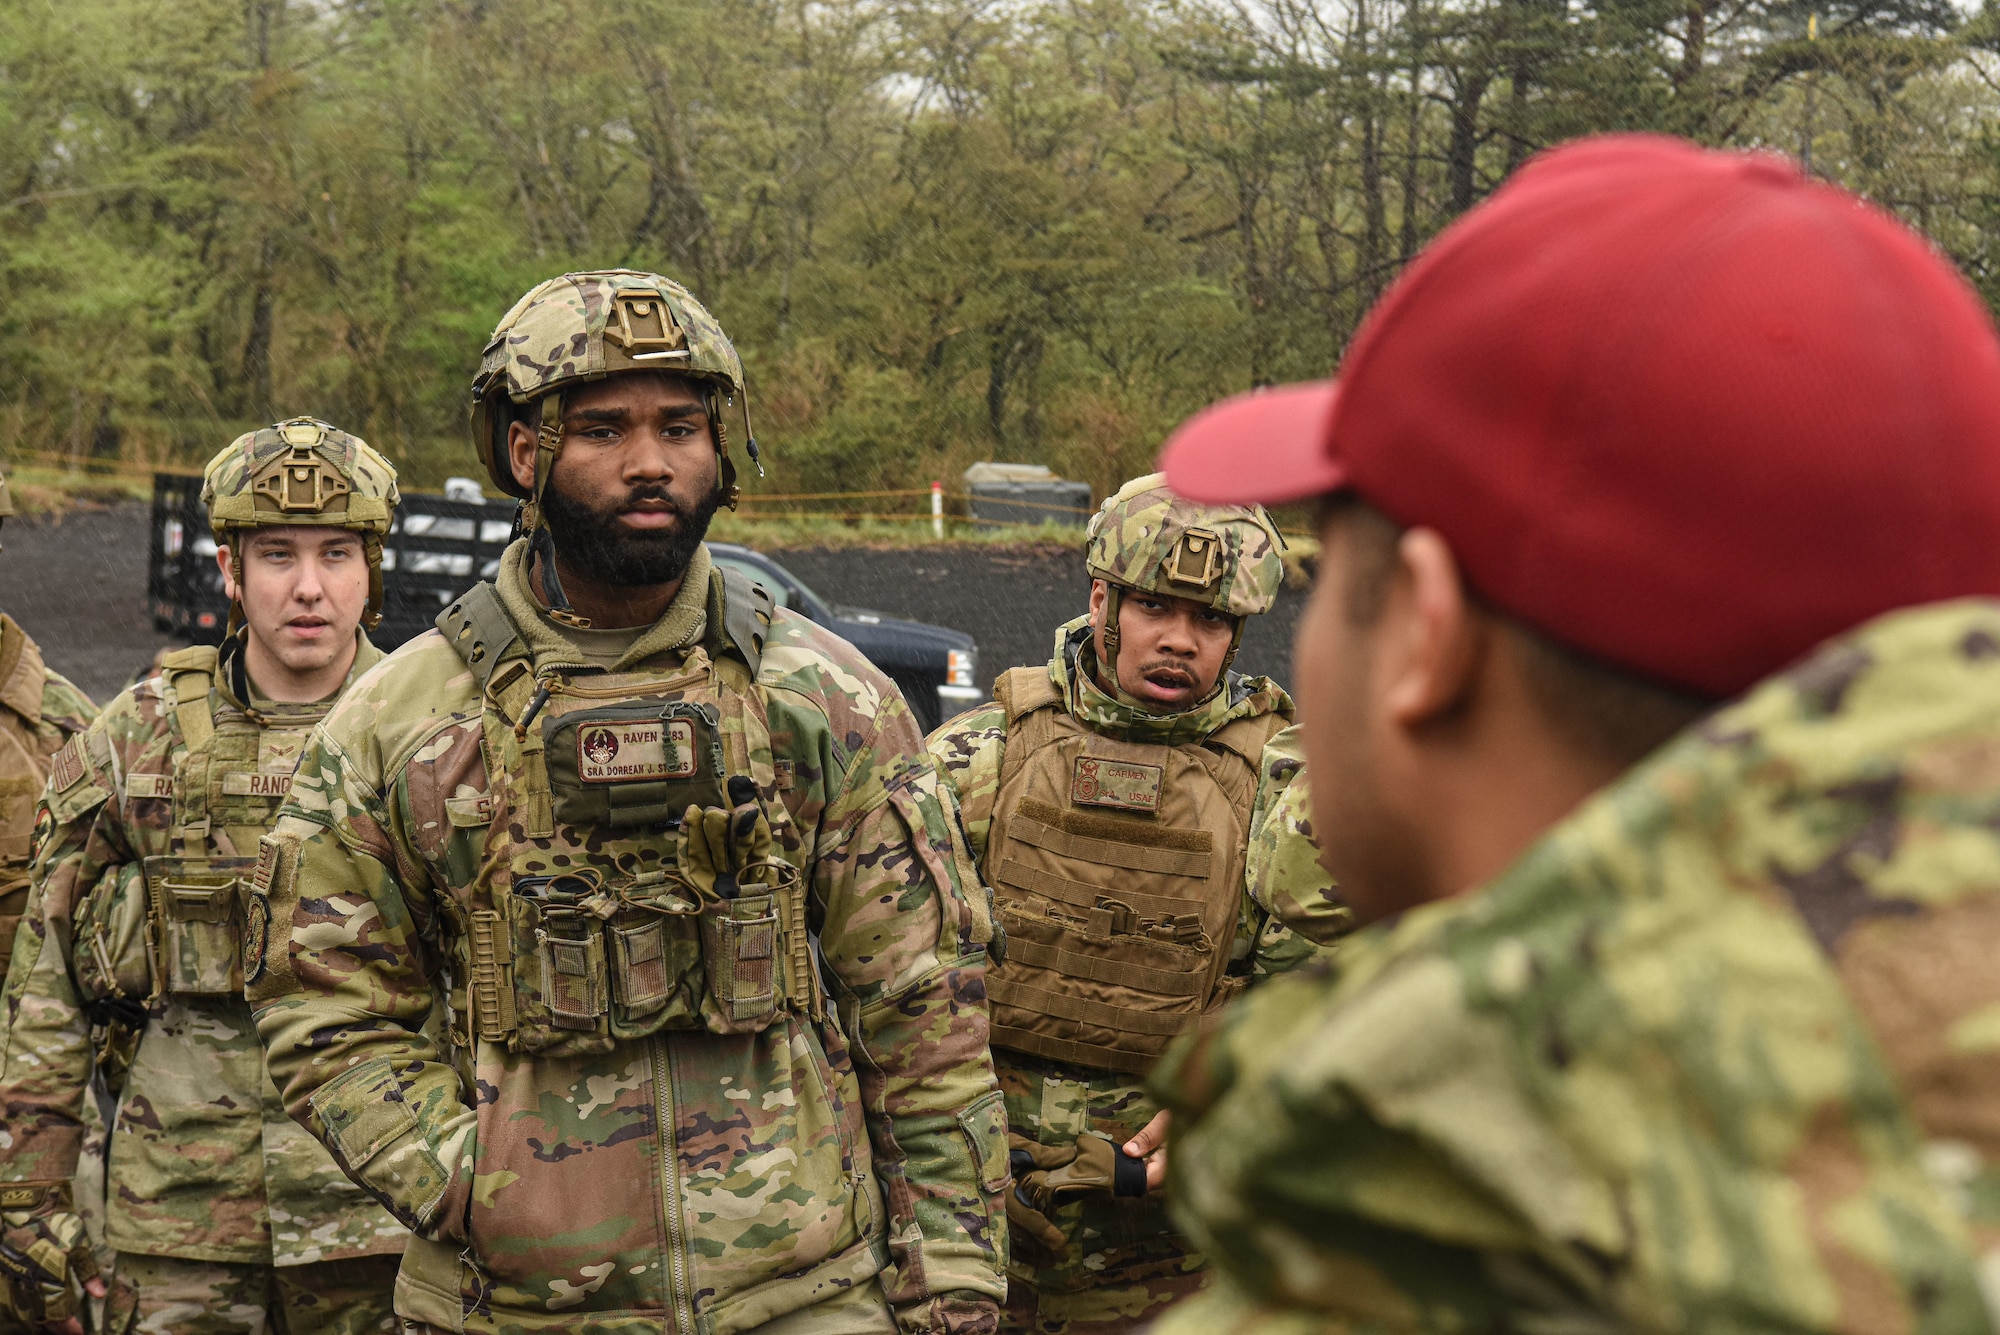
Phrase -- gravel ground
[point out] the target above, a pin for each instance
(1010, 600)
(79, 585)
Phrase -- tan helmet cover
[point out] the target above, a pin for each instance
(1228, 557)
(586, 326)
(302, 472)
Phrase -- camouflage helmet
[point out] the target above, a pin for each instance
(586, 326)
(302, 472)
(1228, 557)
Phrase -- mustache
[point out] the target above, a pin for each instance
(1167, 668)
(651, 492)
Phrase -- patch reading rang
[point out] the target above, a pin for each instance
(239, 783)
(1123, 784)
(628, 752)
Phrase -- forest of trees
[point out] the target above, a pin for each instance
(938, 230)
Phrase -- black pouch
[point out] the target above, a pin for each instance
(637, 763)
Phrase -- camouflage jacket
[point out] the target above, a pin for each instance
(39, 711)
(677, 1178)
(1289, 908)
(204, 1164)
(1721, 1051)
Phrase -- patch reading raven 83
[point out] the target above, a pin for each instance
(636, 751)
(1124, 785)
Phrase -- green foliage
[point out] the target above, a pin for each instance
(939, 230)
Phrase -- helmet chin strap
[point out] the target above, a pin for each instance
(1235, 643)
(548, 443)
(1112, 593)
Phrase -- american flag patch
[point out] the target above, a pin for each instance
(66, 769)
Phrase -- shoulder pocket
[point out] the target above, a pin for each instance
(373, 1131)
(73, 790)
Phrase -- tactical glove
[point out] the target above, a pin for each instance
(46, 1258)
(1045, 1176)
(723, 850)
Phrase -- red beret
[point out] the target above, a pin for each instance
(1684, 410)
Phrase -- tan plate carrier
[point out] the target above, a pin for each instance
(1117, 868)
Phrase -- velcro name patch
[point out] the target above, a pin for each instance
(242, 783)
(635, 752)
(1122, 785)
(141, 787)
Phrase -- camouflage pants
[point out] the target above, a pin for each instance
(162, 1295)
(1108, 1309)
(858, 1311)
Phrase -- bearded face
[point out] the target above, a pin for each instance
(597, 540)
(633, 487)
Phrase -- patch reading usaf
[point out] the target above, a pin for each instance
(640, 751)
(256, 934)
(1120, 784)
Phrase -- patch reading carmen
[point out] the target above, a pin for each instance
(635, 752)
(1121, 784)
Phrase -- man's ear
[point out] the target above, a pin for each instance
(228, 576)
(1436, 641)
(521, 454)
(1099, 598)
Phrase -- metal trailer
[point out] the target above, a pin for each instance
(437, 549)
(440, 546)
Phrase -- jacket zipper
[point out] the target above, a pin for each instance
(577, 688)
(670, 1175)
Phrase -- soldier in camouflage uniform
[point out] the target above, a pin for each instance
(1679, 840)
(1121, 804)
(676, 862)
(224, 1215)
(40, 709)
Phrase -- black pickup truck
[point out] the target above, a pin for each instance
(441, 546)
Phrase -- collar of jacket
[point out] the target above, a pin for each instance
(232, 678)
(1861, 783)
(551, 650)
(1073, 669)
